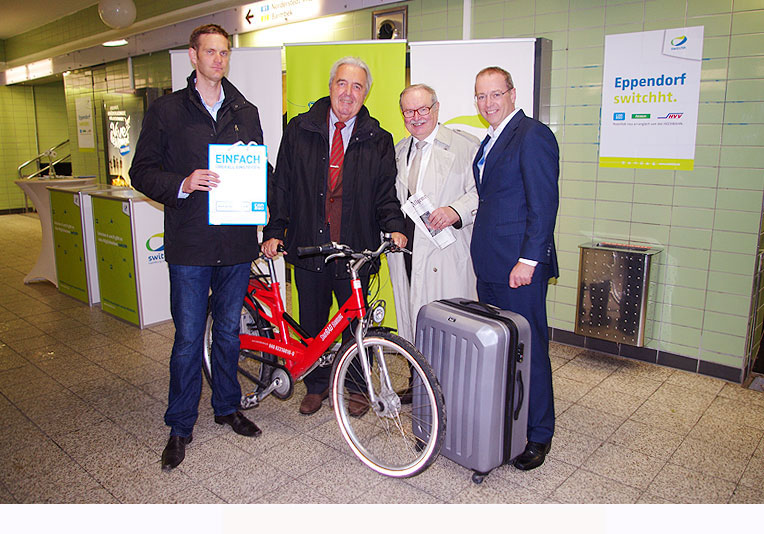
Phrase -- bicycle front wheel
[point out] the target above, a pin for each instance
(399, 430)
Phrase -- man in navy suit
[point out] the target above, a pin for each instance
(516, 170)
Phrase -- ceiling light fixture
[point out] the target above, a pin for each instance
(119, 42)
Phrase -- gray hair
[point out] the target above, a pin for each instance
(350, 60)
(416, 86)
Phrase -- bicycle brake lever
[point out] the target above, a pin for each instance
(330, 257)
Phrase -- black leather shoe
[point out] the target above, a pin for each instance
(239, 423)
(533, 456)
(174, 452)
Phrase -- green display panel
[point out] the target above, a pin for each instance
(69, 245)
(114, 254)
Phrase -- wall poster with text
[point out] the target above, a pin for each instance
(123, 115)
(650, 91)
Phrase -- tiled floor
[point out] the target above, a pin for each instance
(82, 397)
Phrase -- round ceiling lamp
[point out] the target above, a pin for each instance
(117, 13)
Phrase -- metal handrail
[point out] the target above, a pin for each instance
(50, 154)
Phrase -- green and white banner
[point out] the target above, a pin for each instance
(308, 66)
(69, 244)
(650, 91)
(307, 69)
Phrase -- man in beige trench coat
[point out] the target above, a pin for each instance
(437, 161)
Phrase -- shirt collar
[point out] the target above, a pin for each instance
(333, 119)
(497, 132)
(216, 105)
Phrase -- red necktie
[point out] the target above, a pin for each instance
(337, 156)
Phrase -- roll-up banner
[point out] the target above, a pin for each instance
(450, 68)
(308, 66)
(650, 91)
(256, 73)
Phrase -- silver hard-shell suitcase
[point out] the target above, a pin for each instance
(481, 356)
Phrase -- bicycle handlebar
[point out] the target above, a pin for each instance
(317, 249)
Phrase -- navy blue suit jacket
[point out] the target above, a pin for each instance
(518, 202)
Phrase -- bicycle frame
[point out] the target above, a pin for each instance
(299, 352)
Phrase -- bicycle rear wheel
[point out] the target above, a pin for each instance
(392, 438)
(254, 375)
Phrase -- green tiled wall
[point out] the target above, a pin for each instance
(18, 141)
(707, 221)
(150, 70)
(31, 117)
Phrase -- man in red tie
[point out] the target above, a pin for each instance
(334, 181)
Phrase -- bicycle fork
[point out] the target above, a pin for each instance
(386, 403)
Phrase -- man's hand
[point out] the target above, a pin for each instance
(200, 180)
(270, 247)
(521, 275)
(443, 217)
(399, 239)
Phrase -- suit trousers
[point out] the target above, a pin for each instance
(189, 299)
(314, 290)
(530, 302)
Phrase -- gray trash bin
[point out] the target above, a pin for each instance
(613, 280)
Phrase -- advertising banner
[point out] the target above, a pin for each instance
(450, 68)
(83, 107)
(114, 251)
(69, 245)
(650, 91)
(309, 65)
(153, 276)
(123, 115)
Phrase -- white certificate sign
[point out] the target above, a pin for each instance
(241, 196)
(650, 91)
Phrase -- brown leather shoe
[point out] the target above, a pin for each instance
(312, 402)
(357, 404)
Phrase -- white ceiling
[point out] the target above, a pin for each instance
(19, 16)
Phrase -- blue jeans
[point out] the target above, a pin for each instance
(189, 296)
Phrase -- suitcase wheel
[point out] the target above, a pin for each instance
(478, 478)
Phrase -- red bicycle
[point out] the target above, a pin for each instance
(400, 434)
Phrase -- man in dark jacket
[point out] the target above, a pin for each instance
(334, 181)
(170, 166)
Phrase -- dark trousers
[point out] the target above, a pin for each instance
(530, 302)
(189, 294)
(315, 293)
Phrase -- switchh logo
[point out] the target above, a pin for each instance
(677, 43)
(155, 244)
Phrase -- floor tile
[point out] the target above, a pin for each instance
(681, 485)
(710, 459)
(571, 447)
(590, 422)
(624, 465)
(247, 482)
(653, 442)
(611, 401)
(753, 476)
(744, 495)
(584, 487)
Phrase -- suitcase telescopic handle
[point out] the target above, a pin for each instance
(521, 394)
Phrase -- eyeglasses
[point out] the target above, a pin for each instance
(482, 97)
(423, 111)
